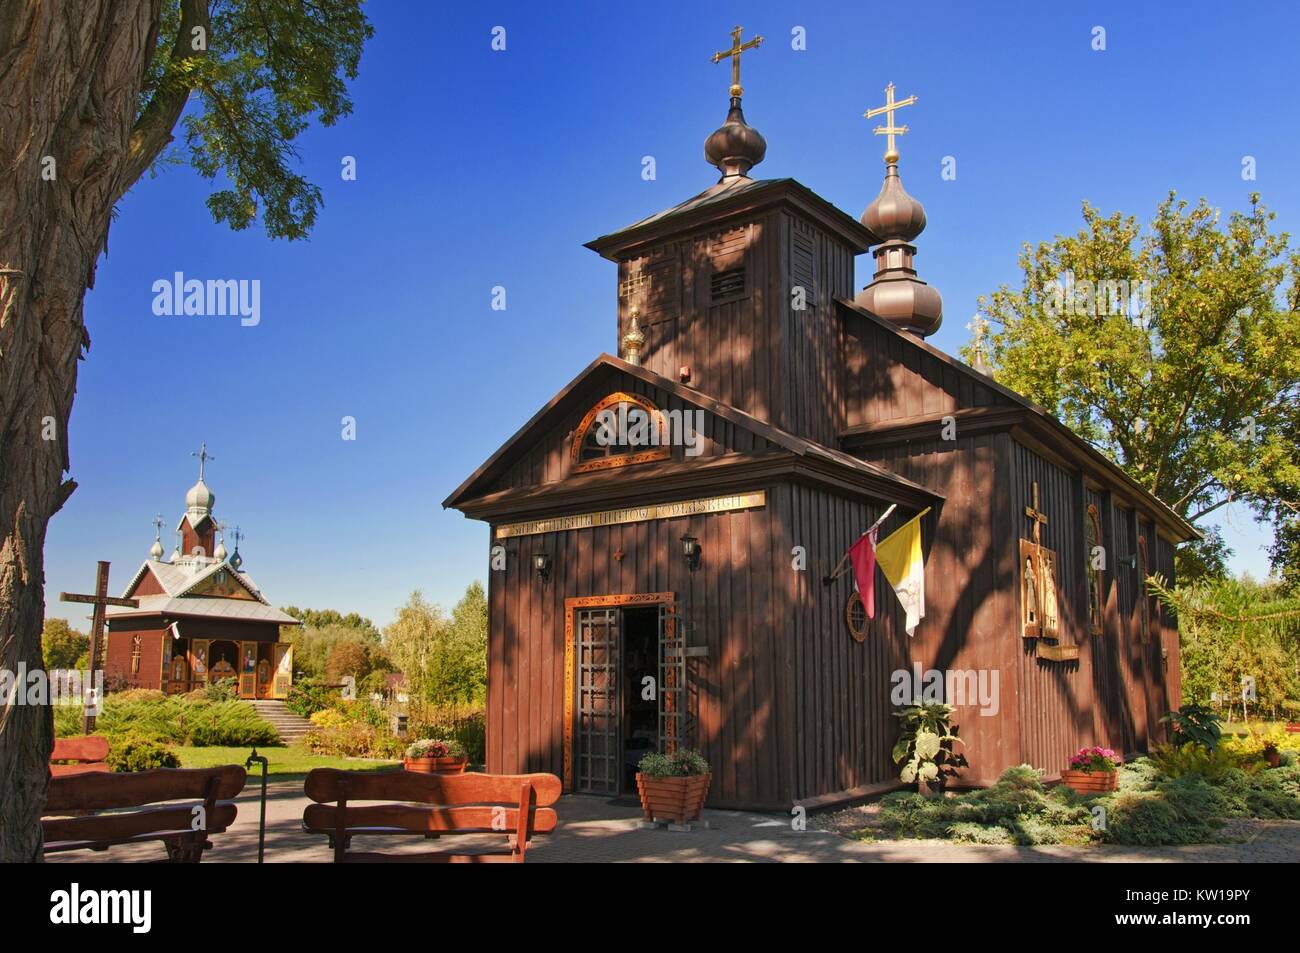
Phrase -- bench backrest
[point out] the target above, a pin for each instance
(517, 805)
(76, 794)
(87, 752)
(81, 748)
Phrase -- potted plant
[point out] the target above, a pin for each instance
(1272, 755)
(673, 787)
(435, 756)
(1093, 770)
(924, 747)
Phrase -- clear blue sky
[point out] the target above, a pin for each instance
(479, 168)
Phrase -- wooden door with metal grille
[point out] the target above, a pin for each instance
(599, 753)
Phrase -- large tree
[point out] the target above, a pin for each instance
(91, 93)
(1175, 349)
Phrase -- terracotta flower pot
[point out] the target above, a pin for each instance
(1090, 782)
(672, 799)
(436, 765)
(1274, 758)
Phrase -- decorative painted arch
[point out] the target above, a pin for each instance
(588, 452)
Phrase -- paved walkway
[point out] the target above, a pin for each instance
(596, 830)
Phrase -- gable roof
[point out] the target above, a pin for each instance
(1042, 421)
(734, 195)
(178, 580)
(480, 481)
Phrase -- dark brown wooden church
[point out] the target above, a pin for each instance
(797, 413)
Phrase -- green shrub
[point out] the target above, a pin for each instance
(1194, 724)
(682, 763)
(226, 724)
(1182, 811)
(222, 690)
(307, 696)
(134, 753)
(1191, 758)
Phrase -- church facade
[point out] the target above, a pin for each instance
(200, 618)
(649, 591)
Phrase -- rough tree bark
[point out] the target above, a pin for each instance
(70, 79)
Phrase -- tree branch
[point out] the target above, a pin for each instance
(153, 129)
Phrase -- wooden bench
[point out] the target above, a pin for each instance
(513, 806)
(87, 751)
(138, 814)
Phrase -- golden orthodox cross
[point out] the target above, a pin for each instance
(1037, 515)
(99, 600)
(736, 49)
(889, 129)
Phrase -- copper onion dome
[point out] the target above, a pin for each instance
(735, 147)
(895, 292)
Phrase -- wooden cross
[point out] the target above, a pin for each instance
(889, 129)
(1037, 515)
(736, 49)
(99, 600)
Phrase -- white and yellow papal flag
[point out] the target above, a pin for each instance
(900, 559)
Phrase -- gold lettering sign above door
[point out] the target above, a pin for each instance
(635, 514)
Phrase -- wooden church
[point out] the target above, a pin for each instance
(665, 583)
(200, 618)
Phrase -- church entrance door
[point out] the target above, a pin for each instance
(616, 650)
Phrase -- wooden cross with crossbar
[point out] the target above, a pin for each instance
(1037, 515)
(99, 600)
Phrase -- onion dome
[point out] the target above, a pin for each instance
(633, 341)
(236, 560)
(198, 501)
(156, 550)
(735, 147)
(219, 553)
(895, 292)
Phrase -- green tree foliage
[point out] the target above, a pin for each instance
(323, 618)
(444, 659)
(1174, 350)
(313, 646)
(1231, 631)
(63, 646)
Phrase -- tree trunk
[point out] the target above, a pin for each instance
(70, 78)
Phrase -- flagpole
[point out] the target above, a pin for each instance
(835, 573)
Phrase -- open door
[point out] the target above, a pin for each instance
(283, 670)
(247, 669)
(598, 755)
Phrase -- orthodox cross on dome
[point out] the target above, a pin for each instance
(237, 535)
(889, 129)
(736, 49)
(204, 457)
(1037, 515)
(157, 526)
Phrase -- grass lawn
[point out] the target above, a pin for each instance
(281, 762)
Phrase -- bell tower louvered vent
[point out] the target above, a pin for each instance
(727, 284)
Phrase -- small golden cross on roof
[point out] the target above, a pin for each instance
(889, 129)
(736, 49)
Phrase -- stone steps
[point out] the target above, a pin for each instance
(290, 727)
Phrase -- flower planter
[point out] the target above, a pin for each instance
(1090, 782)
(436, 765)
(1273, 758)
(677, 799)
(1293, 727)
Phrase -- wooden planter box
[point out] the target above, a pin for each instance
(1090, 782)
(672, 799)
(1293, 727)
(436, 765)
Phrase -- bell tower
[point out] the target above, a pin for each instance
(733, 290)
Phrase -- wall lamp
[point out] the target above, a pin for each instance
(542, 563)
(691, 550)
(1130, 561)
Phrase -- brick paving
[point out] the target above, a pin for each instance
(597, 830)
